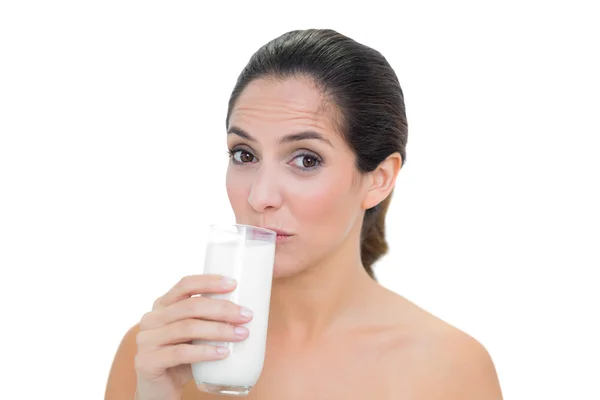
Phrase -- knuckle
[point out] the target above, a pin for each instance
(157, 304)
(203, 307)
(234, 311)
(185, 282)
(139, 363)
(189, 328)
(211, 279)
(222, 307)
(178, 352)
(192, 306)
(233, 308)
(145, 320)
(205, 351)
(225, 330)
(141, 339)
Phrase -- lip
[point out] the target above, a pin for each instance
(280, 232)
(282, 235)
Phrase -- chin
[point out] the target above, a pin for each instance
(286, 266)
(284, 271)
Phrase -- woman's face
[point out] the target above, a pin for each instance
(291, 171)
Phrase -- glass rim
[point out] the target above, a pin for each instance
(251, 227)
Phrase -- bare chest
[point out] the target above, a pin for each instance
(345, 377)
(337, 371)
(326, 382)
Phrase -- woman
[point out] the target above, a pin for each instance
(316, 130)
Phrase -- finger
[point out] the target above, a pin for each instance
(190, 329)
(195, 284)
(205, 308)
(153, 363)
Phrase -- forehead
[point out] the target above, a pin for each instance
(294, 103)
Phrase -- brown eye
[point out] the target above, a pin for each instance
(246, 157)
(307, 161)
(243, 157)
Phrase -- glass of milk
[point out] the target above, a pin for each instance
(247, 254)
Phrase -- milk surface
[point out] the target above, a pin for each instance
(250, 262)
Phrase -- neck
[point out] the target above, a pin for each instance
(306, 305)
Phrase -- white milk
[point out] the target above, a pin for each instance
(250, 262)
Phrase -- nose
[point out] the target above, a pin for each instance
(264, 192)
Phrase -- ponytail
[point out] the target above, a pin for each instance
(373, 244)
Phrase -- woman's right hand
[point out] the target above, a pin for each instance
(164, 348)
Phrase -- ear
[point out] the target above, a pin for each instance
(381, 181)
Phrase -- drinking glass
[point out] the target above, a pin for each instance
(245, 253)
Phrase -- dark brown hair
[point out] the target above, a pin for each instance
(366, 91)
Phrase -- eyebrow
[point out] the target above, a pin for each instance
(295, 137)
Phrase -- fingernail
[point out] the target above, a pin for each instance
(240, 331)
(246, 313)
(222, 350)
(228, 282)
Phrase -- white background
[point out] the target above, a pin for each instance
(112, 161)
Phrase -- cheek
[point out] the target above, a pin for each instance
(329, 201)
(237, 191)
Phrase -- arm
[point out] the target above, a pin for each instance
(122, 377)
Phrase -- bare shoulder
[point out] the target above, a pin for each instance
(121, 384)
(460, 366)
(440, 360)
